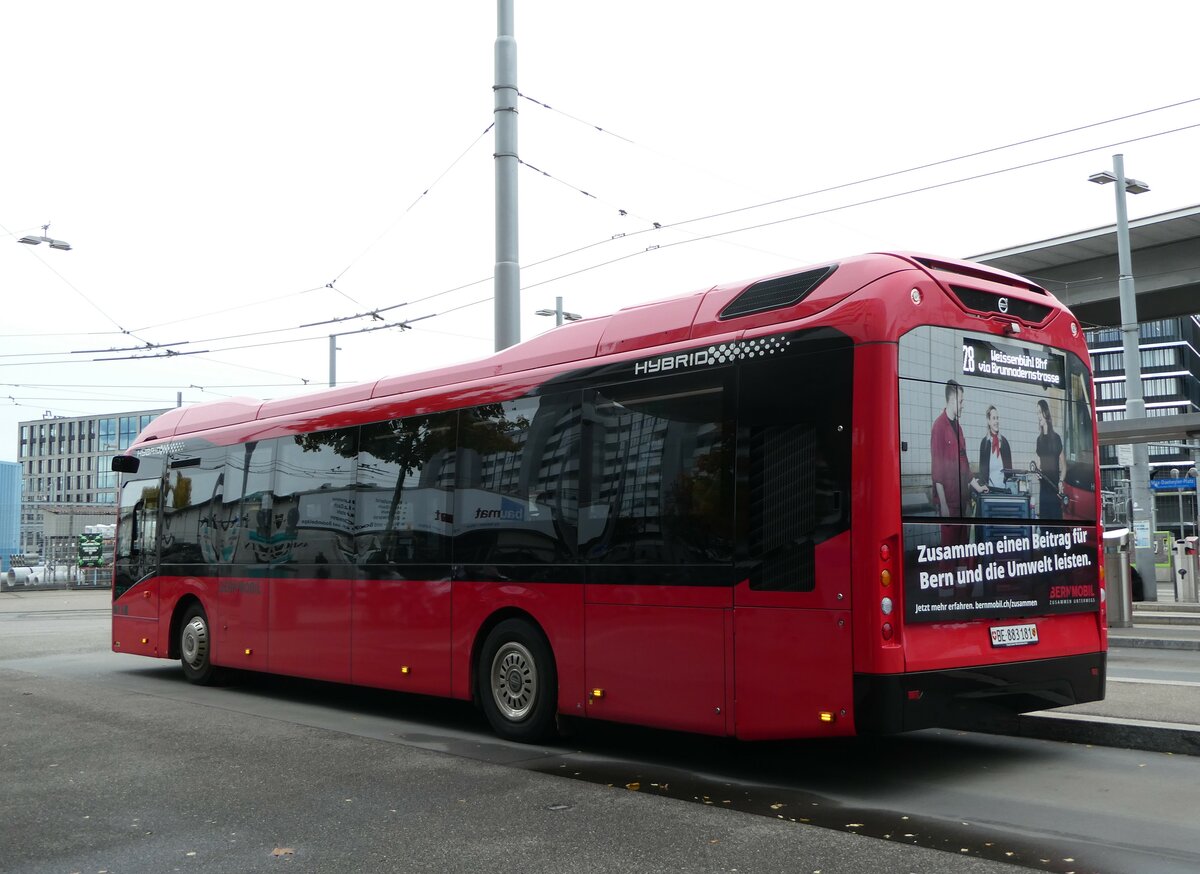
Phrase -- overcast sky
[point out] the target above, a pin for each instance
(216, 167)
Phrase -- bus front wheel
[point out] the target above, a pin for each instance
(195, 647)
(518, 683)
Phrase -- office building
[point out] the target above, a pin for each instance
(65, 463)
(10, 512)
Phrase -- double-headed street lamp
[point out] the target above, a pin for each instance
(559, 315)
(1135, 405)
(54, 244)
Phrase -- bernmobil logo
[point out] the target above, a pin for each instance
(720, 353)
(509, 511)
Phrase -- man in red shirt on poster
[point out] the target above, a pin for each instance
(951, 470)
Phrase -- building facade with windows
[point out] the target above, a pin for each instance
(1082, 270)
(1169, 350)
(10, 512)
(1170, 365)
(66, 468)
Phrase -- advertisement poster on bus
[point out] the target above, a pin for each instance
(1009, 571)
(997, 478)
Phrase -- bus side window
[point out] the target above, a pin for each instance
(516, 483)
(795, 481)
(661, 472)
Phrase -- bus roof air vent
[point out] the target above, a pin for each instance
(987, 302)
(775, 294)
(966, 269)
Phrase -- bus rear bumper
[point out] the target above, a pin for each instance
(977, 697)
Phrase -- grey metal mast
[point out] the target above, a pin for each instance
(1135, 405)
(508, 267)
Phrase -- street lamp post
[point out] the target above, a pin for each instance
(1135, 405)
(558, 313)
(54, 244)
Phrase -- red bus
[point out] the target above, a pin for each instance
(855, 498)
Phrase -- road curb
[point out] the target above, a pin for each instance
(1153, 643)
(1137, 734)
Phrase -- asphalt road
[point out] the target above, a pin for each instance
(113, 763)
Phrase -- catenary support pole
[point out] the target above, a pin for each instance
(508, 267)
(1135, 405)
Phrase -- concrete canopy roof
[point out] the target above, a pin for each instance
(1081, 268)
(1144, 233)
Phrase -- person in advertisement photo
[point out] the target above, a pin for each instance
(950, 470)
(1050, 465)
(995, 455)
(982, 550)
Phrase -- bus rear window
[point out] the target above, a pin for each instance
(998, 479)
(994, 425)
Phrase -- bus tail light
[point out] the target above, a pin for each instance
(828, 716)
(887, 549)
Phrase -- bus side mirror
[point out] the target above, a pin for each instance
(125, 464)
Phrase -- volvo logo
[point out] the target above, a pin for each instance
(1003, 304)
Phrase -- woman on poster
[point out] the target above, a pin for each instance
(995, 456)
(1050, 465)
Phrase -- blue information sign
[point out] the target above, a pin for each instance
(1179, 484)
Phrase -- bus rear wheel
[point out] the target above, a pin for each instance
(195, 647)
(518, 683)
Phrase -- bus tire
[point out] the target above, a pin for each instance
(518, 682)
(195, 647)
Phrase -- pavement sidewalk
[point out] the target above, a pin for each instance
(1160, 716)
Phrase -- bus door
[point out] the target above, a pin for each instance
(655, 532)
(793, 656)
(303, 531)
(136, 560)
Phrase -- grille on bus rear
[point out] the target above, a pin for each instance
(774, 294)
(987, 302)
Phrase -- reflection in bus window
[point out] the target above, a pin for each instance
(516, 491)
(661, 474)
(403, 507)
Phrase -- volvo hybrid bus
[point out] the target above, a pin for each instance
(855, 498)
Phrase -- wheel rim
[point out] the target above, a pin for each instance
(193, 642)
(514, 681)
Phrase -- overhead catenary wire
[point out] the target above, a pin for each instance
(409, 208)
(331, 285)
(231, 309)
(121, 328)
(867, 201)
(835, 208)
(719, 234)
